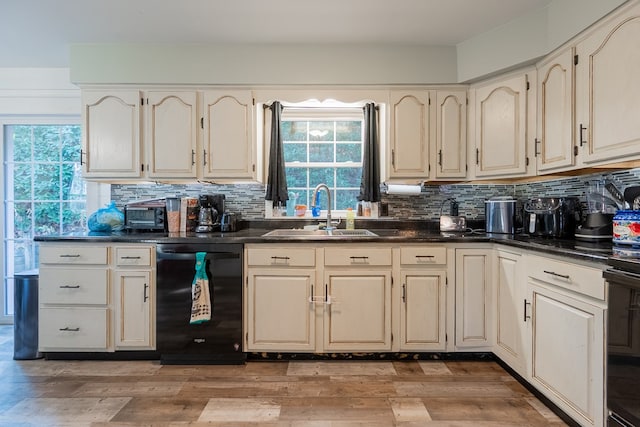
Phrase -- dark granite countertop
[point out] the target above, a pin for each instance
(393, 232)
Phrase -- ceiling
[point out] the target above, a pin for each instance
(38, 33)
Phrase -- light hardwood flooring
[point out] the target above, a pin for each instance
(274, 393)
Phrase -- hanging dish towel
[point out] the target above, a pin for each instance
(200, 299)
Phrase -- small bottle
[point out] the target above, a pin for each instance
(351, 219)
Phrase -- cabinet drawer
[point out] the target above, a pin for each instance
(291, 257)
(73, 329)
(73, 286)
(74, 254)
(354, 256)
(423, 255)
(577, 278)
(133, 256)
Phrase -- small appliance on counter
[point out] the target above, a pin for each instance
(453, 221)
(551, 216)
(211, 209)
(145, 215)
(500, 215)
(602, 202)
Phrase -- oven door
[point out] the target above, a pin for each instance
(623, 348)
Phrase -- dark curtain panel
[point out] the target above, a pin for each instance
(276, 180)
(370, 184)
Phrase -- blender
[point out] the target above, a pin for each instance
(601, 207)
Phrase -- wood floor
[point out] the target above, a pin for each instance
(294, 393)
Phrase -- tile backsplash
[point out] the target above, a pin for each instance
(248, 199)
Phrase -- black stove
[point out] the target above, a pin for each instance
(623, 337)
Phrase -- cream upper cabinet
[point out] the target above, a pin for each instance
(510, 289)
(111, 134)
(555, 145)
(171, 134)
(500, 128)
(473, 299)
(607, 90)
(409, 146)
(229, 147)
(451, 134)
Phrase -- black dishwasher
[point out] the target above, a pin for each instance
(218, 341)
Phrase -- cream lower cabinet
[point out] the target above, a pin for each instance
(279, 308)
(421, 297)
(473, 299)
(96, 298)
(74, 298)
(510, 328)
(317, 299)
(134, 296)
(565, 308)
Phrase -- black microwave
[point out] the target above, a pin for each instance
(145, 216)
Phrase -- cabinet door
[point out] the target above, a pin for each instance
(229, 146)
(473, 298)
(409, 135)
(555, 145)
(510, 323)
(567, 343)
(280, 310)
(111, 134)
(451, 134)
(422, 310)
(357, 314)
(171, 136)
(607, 90)
(133, 310)
(501, 126)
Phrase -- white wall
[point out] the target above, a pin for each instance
(261, 64)
(38, 91)
(524, 40)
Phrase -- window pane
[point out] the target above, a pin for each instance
(21, 137)
(296, 177)
(71, 137)
(320, 131)
(349, 131)
(46, 184)
(321, 152)
(47, 217)
(24, 256)
(21, 181)
(295, 152)
(349, 153)
(294, 131)
(73, 216)
(349, 177)
(321, 176)
(22, 215)
(48, 143)
(347, 199)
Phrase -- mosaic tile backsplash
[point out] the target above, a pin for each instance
(248, 199)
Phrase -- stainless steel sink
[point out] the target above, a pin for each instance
(292, 232)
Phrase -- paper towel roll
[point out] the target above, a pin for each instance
(405, 190)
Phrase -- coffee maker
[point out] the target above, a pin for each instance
(598, 223)
(211, 210)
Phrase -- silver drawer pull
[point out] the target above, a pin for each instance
(553, 273)
(68, 329)
(280, 258)
(130, 257)
(69, 286)
(361, 258)
(70, 256)
(425, 256)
